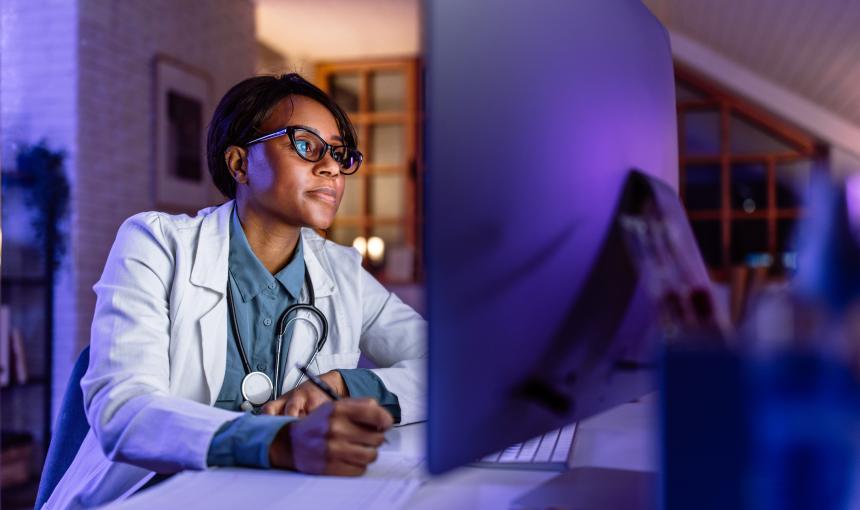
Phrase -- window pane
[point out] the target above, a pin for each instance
(353, 197)
(391, 234)
(785, 243)
(749, 241)
(702, 133)
(708, 236)
(388, 91)
(748, 138)
(344, 90)
(387, 142)
(399, 259)
(684, 92)
(785, 235)
(344, 234)
(702, 187)
(749, 187)
(792, 183)
(388, 193)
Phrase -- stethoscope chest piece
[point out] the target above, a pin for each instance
(257, 388)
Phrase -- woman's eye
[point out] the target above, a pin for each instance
(303, 147)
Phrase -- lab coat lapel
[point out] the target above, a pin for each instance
(314, 247)
(209, 272)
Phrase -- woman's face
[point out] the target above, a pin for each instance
(282, 184)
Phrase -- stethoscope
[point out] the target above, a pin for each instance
(257, 388)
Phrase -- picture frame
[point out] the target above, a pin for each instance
(183, 106)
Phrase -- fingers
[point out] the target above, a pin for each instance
(344, 469)
(367, 412)
(338, 438)
(295, 405)
(345, 429)
(274, 407)
(314, 400)
(291, 404)
(350, 454)
(298, 402)
(302, 400)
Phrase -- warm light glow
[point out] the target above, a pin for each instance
(375, 249)
(360, 244)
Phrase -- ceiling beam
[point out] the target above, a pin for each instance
(772, 96)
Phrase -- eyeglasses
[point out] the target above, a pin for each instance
(311, 147)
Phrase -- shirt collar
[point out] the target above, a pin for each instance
(251, 276)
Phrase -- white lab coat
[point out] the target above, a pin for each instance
(159, 347)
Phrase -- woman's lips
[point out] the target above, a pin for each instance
(328, 195)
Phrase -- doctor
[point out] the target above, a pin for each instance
(188, 307)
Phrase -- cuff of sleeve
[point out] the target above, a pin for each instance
(245, 441)
(362, 382)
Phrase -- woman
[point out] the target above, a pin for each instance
(188, 307)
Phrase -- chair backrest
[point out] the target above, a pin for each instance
(69, 432)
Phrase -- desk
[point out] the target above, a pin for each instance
(622, 438)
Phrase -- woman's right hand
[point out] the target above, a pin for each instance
(337, 438)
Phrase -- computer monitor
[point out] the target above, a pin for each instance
(535, 114)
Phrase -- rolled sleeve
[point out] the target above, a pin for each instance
(361, 382)
(245, 441)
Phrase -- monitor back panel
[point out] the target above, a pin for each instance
(535, 114)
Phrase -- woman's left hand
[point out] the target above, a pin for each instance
(306, 397)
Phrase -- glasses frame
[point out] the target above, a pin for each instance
(290, 131)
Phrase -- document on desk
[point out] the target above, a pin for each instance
(389, 483)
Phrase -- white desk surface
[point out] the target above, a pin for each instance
(621, 438)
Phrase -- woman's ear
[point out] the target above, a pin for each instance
(237, 163)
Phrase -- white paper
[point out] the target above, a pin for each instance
(389, 484)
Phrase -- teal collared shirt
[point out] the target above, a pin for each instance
(260, 298)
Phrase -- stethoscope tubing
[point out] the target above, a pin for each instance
(283, 323)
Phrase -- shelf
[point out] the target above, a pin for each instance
(27, 285)
(34, 381)
(23, 280)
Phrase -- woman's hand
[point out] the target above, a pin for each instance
(337, 438)
(303, 399)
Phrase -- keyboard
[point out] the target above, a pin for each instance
(549, 452)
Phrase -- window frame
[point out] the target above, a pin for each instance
(411, 169)
(803, 146)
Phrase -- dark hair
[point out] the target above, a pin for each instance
(246, 106)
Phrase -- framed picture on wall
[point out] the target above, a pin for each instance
(183, 105)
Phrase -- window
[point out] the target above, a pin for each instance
(379, 213)
(742, 177)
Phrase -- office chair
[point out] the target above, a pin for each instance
(69, 432)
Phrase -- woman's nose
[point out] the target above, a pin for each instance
(327, 166)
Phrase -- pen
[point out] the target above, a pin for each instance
(325, 388)
(319, 383)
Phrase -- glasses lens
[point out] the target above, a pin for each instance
(349, 159)
(308, 145)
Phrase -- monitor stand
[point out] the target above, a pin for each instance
(595, 488)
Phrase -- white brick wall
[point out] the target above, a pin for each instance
(80, 72)
(118, 41)
(37, 63)
(38, 100)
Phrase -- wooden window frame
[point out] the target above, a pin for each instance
(411, 169)
(803, 147)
